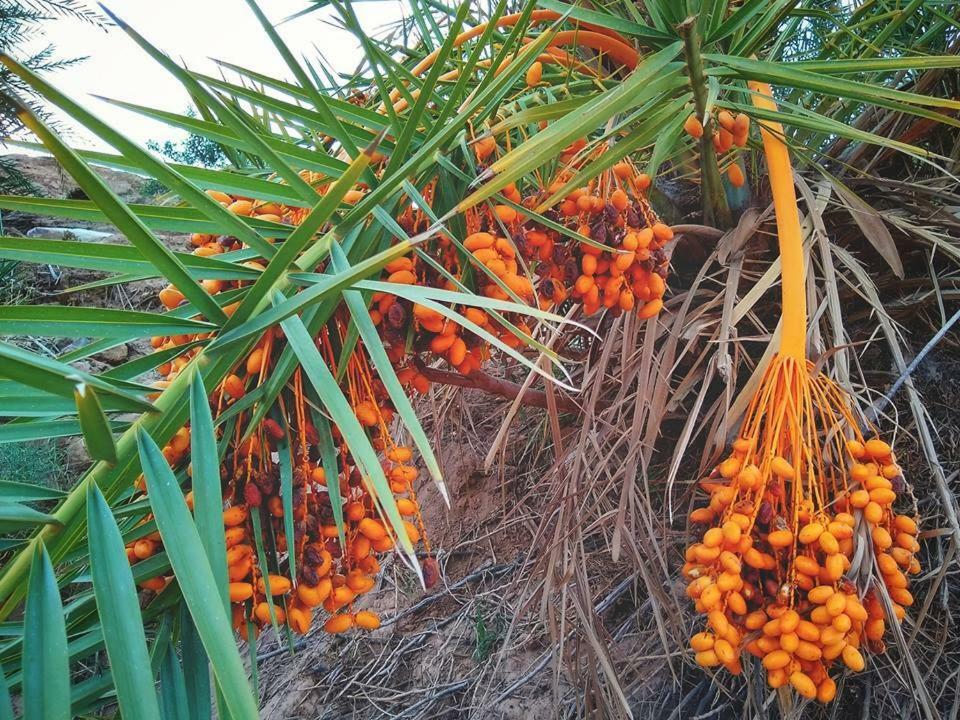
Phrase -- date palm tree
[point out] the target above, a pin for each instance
(458, 116)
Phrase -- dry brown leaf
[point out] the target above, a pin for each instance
(873, 227)
(733, 240)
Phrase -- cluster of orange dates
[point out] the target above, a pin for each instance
(602, 245)
(730, 131)
(771, 576)
(621, 265)
(624, 268)
(332, 570)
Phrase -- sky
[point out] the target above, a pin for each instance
(192, 31)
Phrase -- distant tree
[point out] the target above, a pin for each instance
(21, 22)
(194, 150)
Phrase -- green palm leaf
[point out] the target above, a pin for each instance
(195, 578)
(46, 669)
(119, 612)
